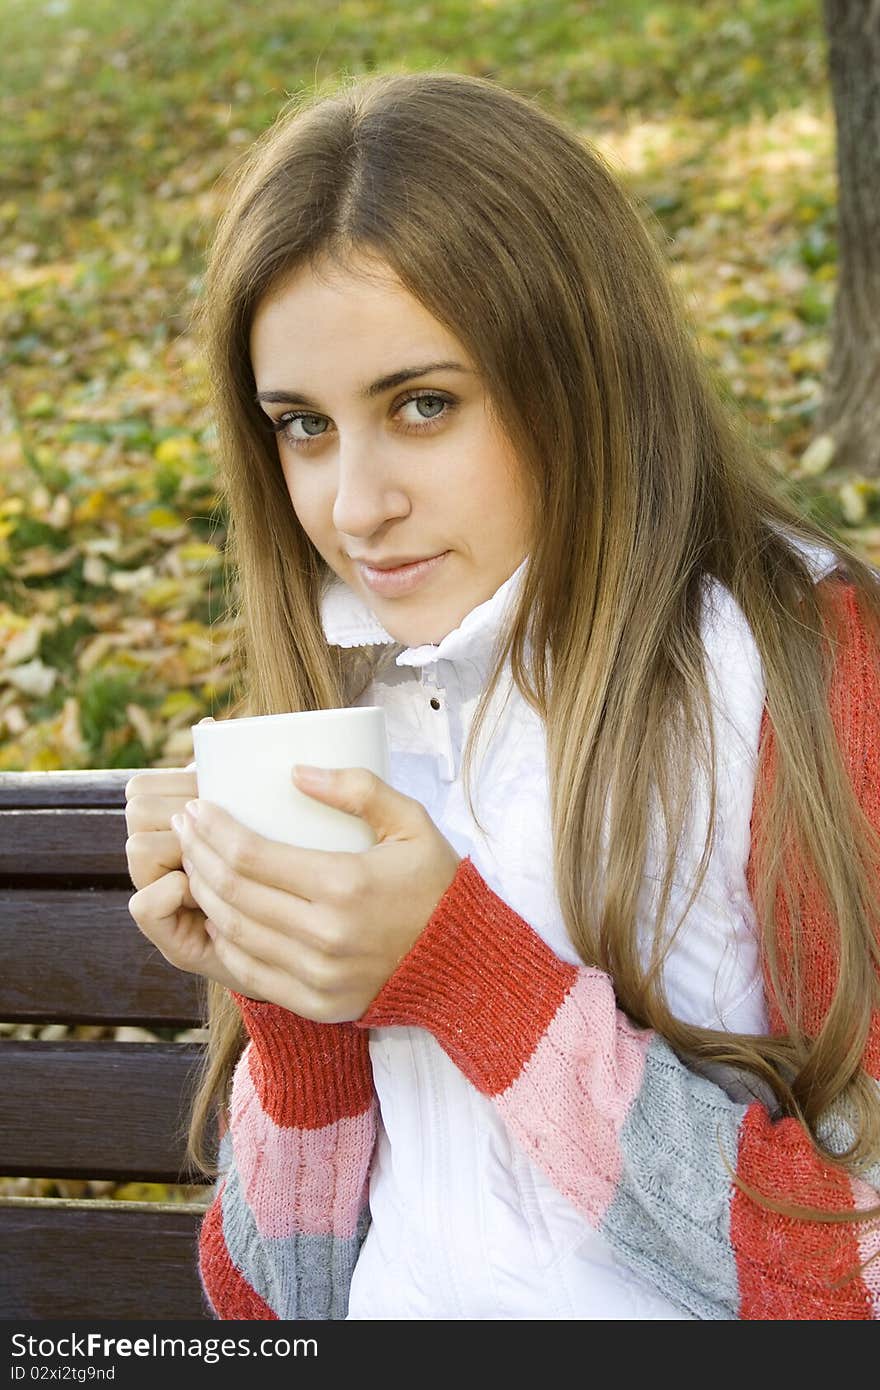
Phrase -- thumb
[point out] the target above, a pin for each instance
(359, 791)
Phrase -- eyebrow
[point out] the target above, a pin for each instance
(376, 388)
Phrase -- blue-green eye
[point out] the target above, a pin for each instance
(284, 425)
(419, 401)
(285, 422)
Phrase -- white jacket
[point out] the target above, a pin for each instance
(464, 1226)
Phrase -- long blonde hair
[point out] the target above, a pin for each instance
(512, 231)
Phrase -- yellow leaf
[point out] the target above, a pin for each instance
(12, 757)
(11, 623)
(25, 643)
(817, 456)
(854, 497)
(141, 1192)
(95, 649)
(47, 760)
(199, 550)
(163, 519)
(163, 593)
(41, 405)
(42, 561)
(178, 702)
(179, 448)
(92, 506)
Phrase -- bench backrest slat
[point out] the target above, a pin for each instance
(74, 787)
(99, 1260)
(76, 956)
(51, 1093)
(60, 842)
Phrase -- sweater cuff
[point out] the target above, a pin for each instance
(478, 978)
(307, 1075)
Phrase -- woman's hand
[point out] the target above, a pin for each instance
(163, 906)
(318, 932)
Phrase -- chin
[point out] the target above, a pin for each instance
(416, 636)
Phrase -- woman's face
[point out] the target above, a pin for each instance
(389, 449)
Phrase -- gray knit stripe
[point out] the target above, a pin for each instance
(837, 1132)
(298, 1276)
(670, 1217)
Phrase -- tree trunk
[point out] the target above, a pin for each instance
(850, 409)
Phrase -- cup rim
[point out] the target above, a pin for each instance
(288, 714)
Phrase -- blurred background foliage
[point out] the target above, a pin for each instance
(117, 125)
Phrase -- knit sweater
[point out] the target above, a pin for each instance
(643, 1146)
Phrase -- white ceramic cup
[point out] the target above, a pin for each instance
(245, 766)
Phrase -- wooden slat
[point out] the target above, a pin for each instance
(96, 1110)
(63, 843)
(100, 787)
(99, 1260)
(70, 952)
(77, 956)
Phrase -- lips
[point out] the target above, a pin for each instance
(395, 564)
(401, 579)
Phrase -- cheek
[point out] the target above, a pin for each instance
(307, 502)
(503, 496)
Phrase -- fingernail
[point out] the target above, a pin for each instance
(177, 823)
(187, 865)
(192, 809)
(313, 776)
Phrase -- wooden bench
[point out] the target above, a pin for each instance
(70, 953)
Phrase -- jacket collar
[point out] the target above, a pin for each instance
(348, 621)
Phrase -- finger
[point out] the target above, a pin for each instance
(154, 812)
(177, 932)
(311, 874)
(257, 980)
(232, 926)
(360, 792)
(151, 781)
(151, 855)
(157, 911)
(264, 919)
(265, 958)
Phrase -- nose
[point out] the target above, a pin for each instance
(368, 494)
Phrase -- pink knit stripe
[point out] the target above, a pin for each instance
(570, 1101)
(301, 1181)
(869, 1242)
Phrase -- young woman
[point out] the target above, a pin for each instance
(593, 1031)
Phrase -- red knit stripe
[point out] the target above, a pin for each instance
(854, 703)
(230, 1293)
(787, 1266)
(307, 1075)
(480, 980)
